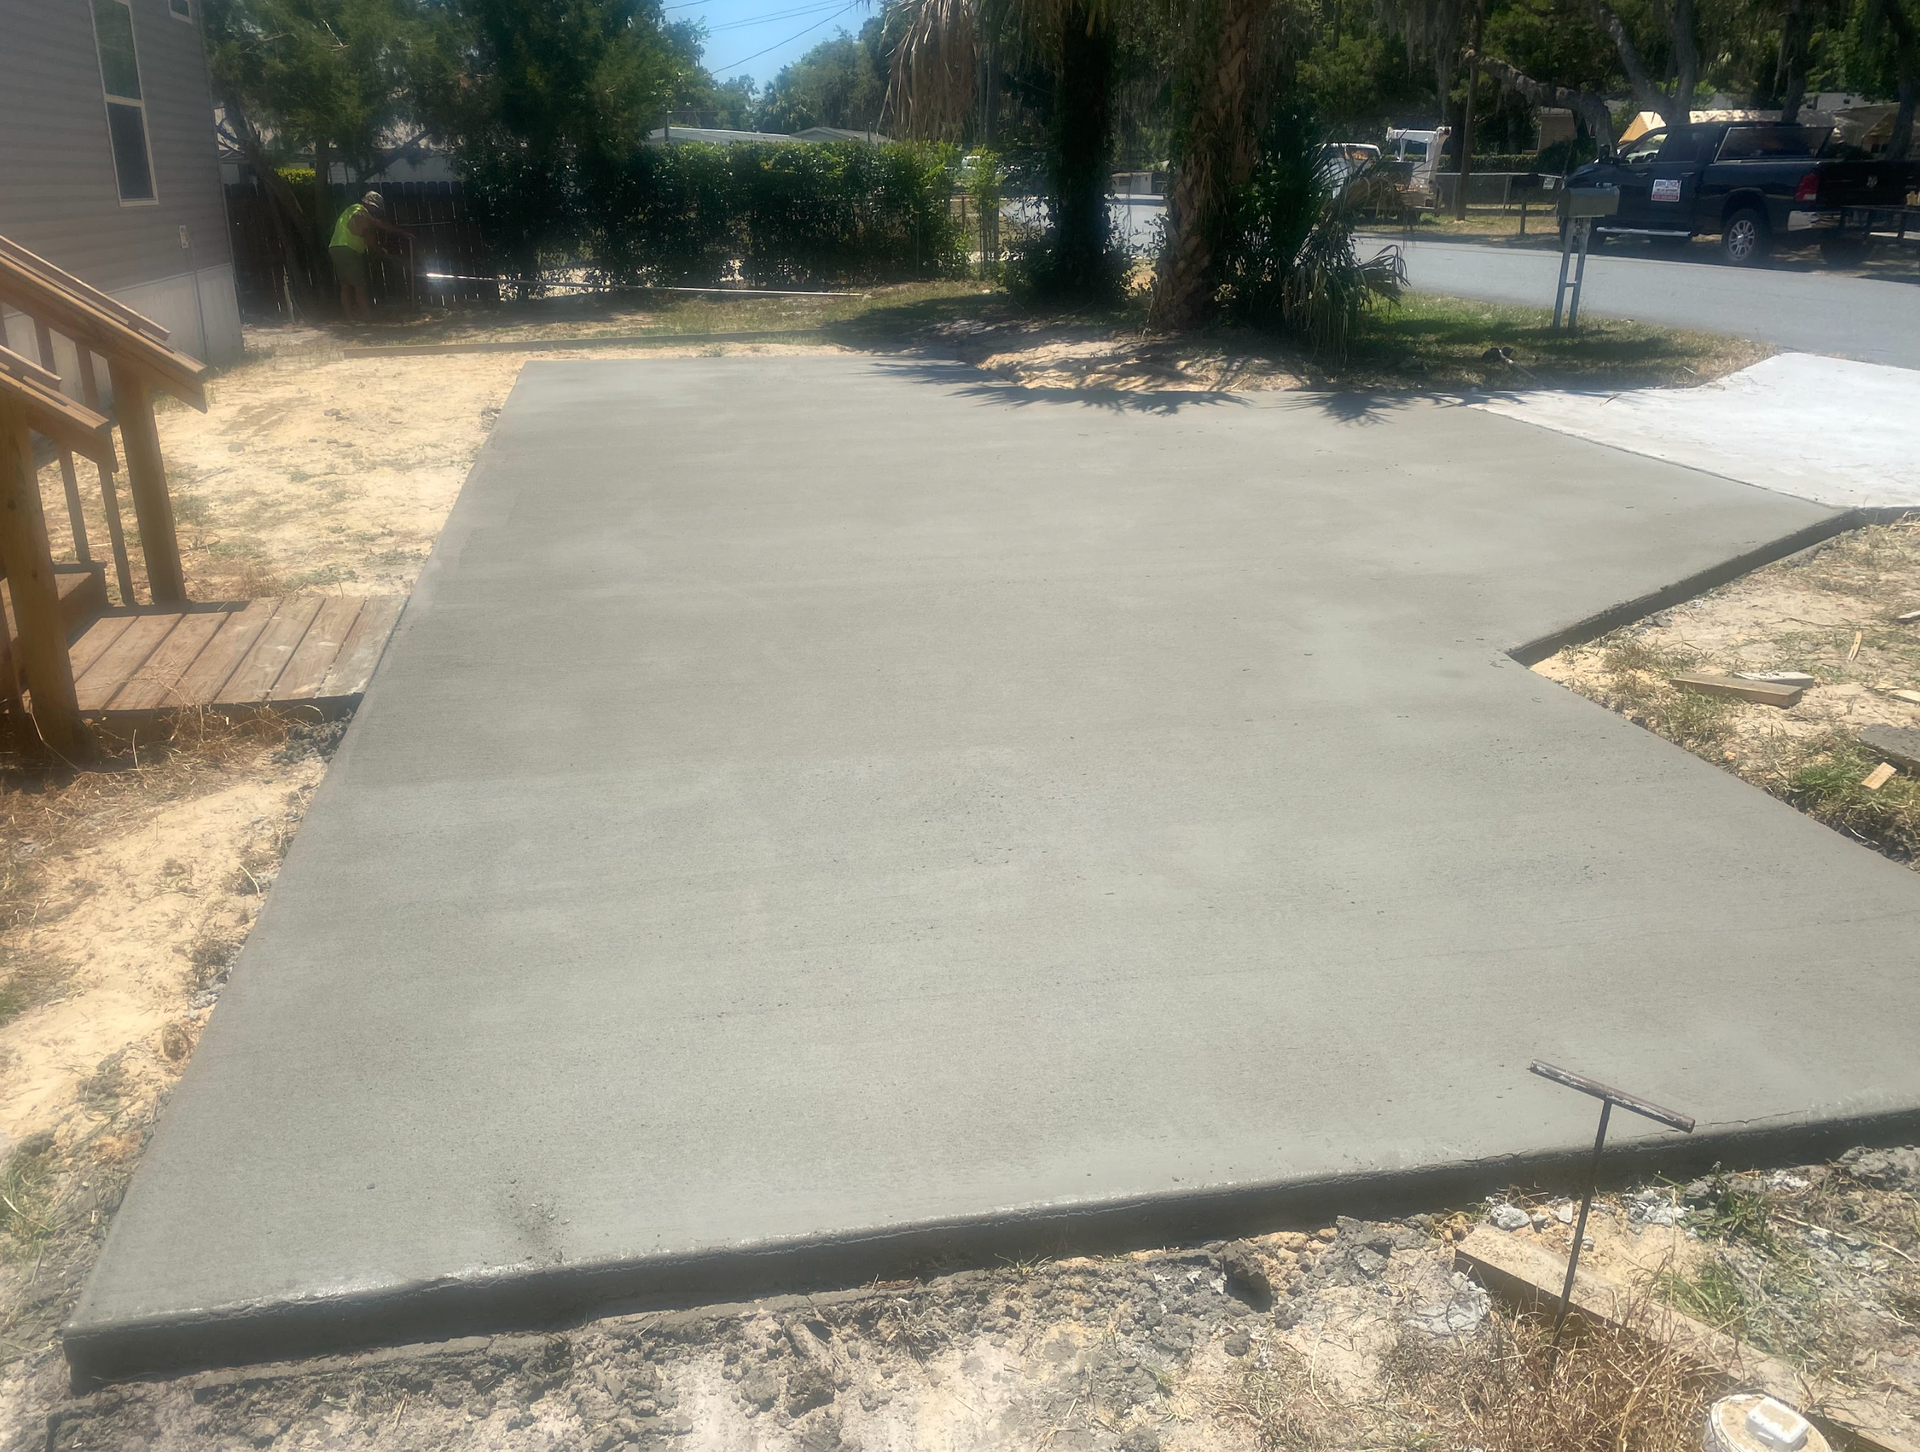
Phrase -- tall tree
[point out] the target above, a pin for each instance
(1226, 46)
(1889, 19)
(935, 88)
(840, 82)
(543, 99)
(321, 77)
(1678, 23)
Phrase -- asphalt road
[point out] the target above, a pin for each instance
(1813, 312)
(820, 817)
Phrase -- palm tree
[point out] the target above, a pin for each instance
(939, 77)
(1226, 42)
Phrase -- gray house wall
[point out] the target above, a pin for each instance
(58, 191)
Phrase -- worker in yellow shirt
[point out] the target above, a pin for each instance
(358, 228)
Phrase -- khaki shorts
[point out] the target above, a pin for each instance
(349, 266)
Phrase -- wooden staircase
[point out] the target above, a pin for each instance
(67, 654)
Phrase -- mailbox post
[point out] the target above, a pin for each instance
(1578, 207)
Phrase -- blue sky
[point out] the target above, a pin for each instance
(757, 37)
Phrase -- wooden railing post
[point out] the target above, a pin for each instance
(147, 482)
(109, 496)
(43, 335)
(28, 561)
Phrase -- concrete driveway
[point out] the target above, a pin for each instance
(822, 817)
(1812, 312)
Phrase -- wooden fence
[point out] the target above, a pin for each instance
(447, 240)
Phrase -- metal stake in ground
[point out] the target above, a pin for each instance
(1608, 1097)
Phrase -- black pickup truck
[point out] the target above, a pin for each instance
(1756, 184)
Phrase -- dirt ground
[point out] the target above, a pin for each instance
(125, 893)
(1830, 612)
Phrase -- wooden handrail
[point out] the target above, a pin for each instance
(139, 360)
(44, 293)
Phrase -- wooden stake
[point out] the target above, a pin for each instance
(109, 496)
(147, 480)
(36, 599)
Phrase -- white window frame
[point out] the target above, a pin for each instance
(108, 101)
(184, 13)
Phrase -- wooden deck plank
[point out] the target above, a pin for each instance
(210, 670)
(253, 678)
(119, 661)
(156, 684)
(361, 651)
(307, 667)
(94, 641)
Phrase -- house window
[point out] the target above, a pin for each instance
(181, 9)
(126, 111)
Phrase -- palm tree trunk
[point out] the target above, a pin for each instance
(1795, 37)
(1082, 152)
(1222, 148)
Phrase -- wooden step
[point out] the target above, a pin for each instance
(311, 654)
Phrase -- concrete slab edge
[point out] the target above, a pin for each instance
(545, 1297)
(1641, 606)
(545, 345)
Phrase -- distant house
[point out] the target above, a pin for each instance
(680, 135)
(110, 168)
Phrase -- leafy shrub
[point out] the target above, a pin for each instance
(778, 212)
(1290, 264)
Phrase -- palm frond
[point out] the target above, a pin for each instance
(935, 68)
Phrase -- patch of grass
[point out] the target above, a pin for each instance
(1826, 785)
(1444, 341)
(1637, 685)
(26, 1197)
(1712, 1293)
(1738, 1213)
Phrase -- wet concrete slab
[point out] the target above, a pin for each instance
(820, 817)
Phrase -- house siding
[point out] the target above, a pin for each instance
(58, 194)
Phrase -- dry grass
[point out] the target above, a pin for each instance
(48, 811)
(1611, 1390)
(1830, 612)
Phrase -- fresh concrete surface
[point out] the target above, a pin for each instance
(1826, 429)
(818, 813)
(1813, 312)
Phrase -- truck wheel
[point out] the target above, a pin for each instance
(1745, 238)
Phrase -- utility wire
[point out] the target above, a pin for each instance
(777, 15)
(791, 38)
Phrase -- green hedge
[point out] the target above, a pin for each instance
(692, 213)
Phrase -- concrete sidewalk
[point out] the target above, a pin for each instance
(821, 817)
(1826, 429)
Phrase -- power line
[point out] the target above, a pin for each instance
(791, 38)
(753, 20)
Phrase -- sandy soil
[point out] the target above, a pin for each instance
(124, 895)
(1830, 612)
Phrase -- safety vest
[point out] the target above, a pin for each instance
(345, 236)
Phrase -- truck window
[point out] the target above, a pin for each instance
(1683, 146)
(1643, 149)
(1413, 150)
(1760, 143)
